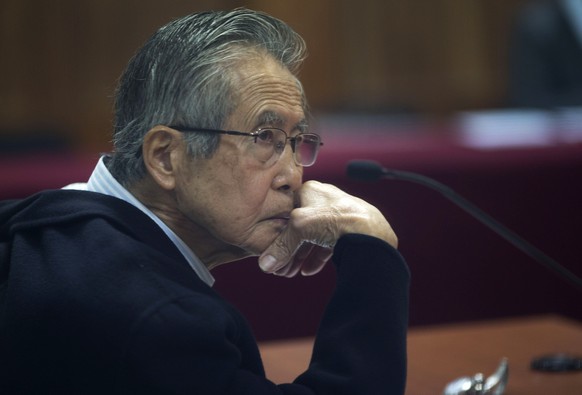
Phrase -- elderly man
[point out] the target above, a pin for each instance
(107, 290)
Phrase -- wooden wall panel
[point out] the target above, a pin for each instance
(59, 60)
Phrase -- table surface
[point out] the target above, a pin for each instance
(440, 354)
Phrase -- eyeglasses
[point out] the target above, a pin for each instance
(270, 144)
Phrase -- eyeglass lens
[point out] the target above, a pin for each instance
(270, 144)
(306, 149)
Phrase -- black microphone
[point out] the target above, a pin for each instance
(364, 170)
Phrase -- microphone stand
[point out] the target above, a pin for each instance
(367, 170)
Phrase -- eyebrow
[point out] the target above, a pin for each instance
(274, 119)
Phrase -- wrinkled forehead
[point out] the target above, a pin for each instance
(258, 71)
(267, 94)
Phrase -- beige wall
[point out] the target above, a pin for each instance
(59, 59)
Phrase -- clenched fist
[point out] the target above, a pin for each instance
(324, 214)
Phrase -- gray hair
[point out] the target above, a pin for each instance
(183, 76)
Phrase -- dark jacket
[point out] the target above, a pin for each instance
(95, 299)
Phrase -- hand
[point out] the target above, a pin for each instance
(325, 214)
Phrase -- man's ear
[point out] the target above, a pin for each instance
(163, 150)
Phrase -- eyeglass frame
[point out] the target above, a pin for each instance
(255, 135)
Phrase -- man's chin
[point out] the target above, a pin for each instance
(256, 249)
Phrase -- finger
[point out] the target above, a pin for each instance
(316, 262)
(310, 261)
(281, 251)
(290, 269)
(293, 267)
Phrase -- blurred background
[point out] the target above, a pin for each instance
(61, 59)
(483, 95)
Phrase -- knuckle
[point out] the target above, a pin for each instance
(285, 246)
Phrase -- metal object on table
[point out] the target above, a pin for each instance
(477, 384)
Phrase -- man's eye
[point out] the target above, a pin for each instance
(265, 136)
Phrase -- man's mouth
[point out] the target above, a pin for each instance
(282, 217)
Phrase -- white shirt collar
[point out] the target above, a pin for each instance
(102, 181)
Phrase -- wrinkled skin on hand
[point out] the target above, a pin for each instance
(324, 214)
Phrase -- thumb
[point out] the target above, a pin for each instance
(280, 253)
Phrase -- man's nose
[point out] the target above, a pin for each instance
(290, 176)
